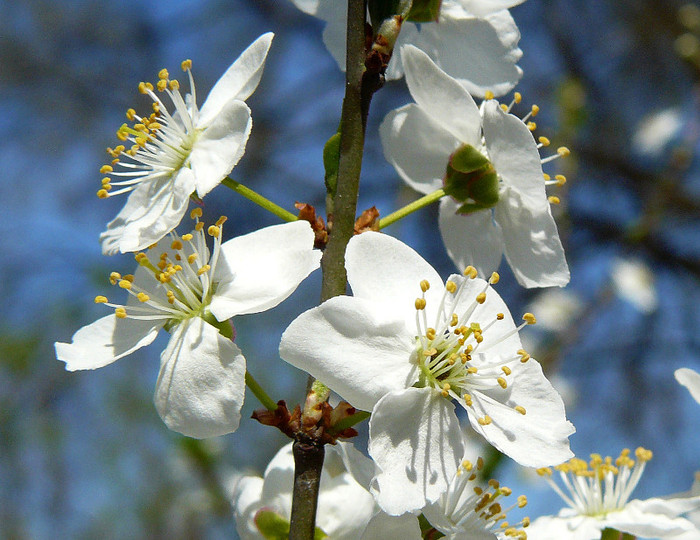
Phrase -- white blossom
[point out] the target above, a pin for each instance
(175, 154)
(409, 359)
(191, 294)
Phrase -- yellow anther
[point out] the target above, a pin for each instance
(140, 127)
(424, 285)
(162, 264)
(472, 370)
(495, 278)
(485, 421)
(196, 213)
(506, 370)
(128, 277)
(203, 270)
(451, 287)
(535, 109)
(102, 193)
(479, 463)
(500, 316)
(454, 321)
(478, 490)
(504, 107)
(106, 181)
(524, 358)
(544, 471)
(445, 390)
(199, 226)
(479, 338)
(221, 221)
(643, 454)
(420, 303)
(143, 297)
(467, 465)
(162, 85)
(101, 300)
(467, 400)
(517, 97)
(488, 94)
(563, 151)
(120, 312)
(502, 382)
(430, 352)
(143, 88)
(156, 108)
(561, 179)
(522, 501)
(105, 169)
(544, 141)
(140, 256)
(174, 85)
(430, 333)
(529, 318)
(481, 298)
(553, 199)
(506, 491)
(520, 409)
(186, 64)
(163, 74)
(192, 258)
(125, 284)
(470, 272)
(546, 177)
(187, 237)
(531, 126)
(114, 277)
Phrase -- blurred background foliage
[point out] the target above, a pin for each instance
(84, 455)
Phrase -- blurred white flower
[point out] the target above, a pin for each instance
(656, 130)
(691, 380)
(345, 504)
(633, 281)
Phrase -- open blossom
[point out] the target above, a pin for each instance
(475, 41)
(345, 504)
(407, 347)
(192, 293)
(598, 498)
(168, 155)
(488, 162)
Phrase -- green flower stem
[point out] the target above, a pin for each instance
(401, 213)
(260, 393)
(259, 200)
(350, 421)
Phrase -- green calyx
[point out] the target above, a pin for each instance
(274, 527)
(471, 178)
(425, 11)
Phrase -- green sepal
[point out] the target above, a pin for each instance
(331, 158)
(274, 527)
(467, 159)
(424, 11)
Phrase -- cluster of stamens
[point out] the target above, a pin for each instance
(601, 485)
(181, 284)
(470, 506)
(446, 353)
(542, 142)
(155, 145)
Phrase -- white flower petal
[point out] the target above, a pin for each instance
(383, 525)
(359, 353)
(514, 154)
(532, 244)
(246, 502)
(417, 147)
(239, 81)
(441, 97)
(667, 506)
(536, 439)
(387, 272)
(263, 268)
(219, 148)
(481, 8)
(151, 211)
(569, 528)
(308, 6)
(635, 519)
(106, 340)
(201, 384)
(473, 239)
(691, 380)
(416, 441)
(480, 53)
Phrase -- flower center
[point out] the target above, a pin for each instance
(179, 284)
(160, 142)
(448, 353)
(601, 485)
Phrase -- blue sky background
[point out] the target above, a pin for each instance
(85, 454)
